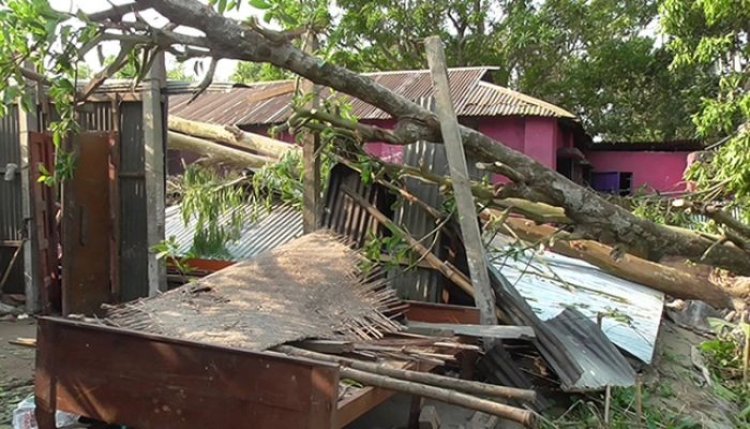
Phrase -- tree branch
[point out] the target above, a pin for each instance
(229, 38)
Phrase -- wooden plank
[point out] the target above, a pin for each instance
(152, 382)
(467, 215)
(500, 332)
(27, 124)
(86, 227)
(42, 154)
(441, 313)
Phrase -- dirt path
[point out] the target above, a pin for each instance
(16, 367)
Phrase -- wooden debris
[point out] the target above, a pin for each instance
(448, 396)
(484, 298)
(24, 342)
(480, 331)
(429, 418)
(328, 346)
(482, 421)
(466, 386)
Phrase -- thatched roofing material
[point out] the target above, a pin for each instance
(310, 287)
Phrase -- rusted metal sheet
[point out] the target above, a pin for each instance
(11, 213)
(346, 217)
(152, 382)
(86, 227)
(133, 265)
(42, 155)
(269, 103)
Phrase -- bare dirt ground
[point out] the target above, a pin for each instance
(679, 388)
(16, 367)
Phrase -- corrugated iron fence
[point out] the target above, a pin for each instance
(11, 215)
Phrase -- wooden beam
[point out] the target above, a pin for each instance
(467, 214)
(27, 124)
(311, 211)
(499, 332)
(154, 142)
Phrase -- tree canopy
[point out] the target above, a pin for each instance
(54, 43)
(601, 59)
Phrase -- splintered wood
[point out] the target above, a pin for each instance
(312, 287)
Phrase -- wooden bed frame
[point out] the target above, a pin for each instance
(147, 381)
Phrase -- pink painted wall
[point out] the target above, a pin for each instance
(660, 171)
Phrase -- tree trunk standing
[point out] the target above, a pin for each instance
(311, 152)
(467, 212)
(593, 214)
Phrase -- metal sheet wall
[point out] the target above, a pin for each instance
(11, 214)
(133, 237)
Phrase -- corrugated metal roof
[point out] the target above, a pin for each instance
(264, 230)
(574, 347)
(552, 283)
(269, 103)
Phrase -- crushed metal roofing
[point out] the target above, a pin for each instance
(551, 283)
(574, 347)
(263, 230)
(269, 102)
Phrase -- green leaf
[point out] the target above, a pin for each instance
(260, 4)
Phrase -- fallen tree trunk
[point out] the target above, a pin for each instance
(232, 136)
(215, 152)
(466, 386)
(593, 215)
(673, 282)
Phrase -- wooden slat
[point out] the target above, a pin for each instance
(480, 331)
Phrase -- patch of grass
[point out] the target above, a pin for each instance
(589, 412)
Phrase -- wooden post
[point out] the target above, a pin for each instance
(28, 123)
(311, 158)
(154, 141)
(467, 215)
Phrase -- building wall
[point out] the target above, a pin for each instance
(658, 171)
(536, 137)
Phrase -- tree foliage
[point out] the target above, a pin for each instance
(600, 59)
(716, 33)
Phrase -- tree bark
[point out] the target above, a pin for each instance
(673, 282)
(593, 214)
(215, 152)
(232, 136)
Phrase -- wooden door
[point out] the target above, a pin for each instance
(87, 227)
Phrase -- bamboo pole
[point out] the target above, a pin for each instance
(444, 267)
(447, 396)
(466, 386)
